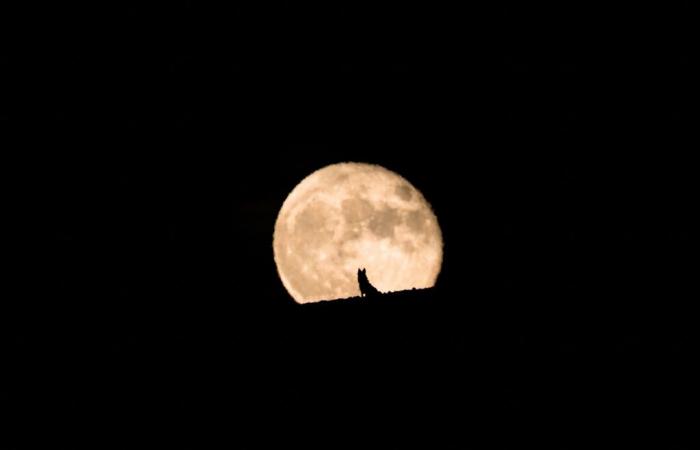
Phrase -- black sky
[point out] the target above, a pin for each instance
(545, 139)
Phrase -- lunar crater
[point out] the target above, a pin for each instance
(405, 192)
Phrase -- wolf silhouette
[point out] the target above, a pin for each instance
(366, 288)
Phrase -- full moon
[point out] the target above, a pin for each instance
(353, 215)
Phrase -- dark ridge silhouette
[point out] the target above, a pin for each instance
(369, 292)
(409, 296)
(469, 364)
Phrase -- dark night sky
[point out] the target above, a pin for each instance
(544, 139)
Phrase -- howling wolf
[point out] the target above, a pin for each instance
(366, 288)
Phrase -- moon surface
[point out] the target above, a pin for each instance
(352, 215)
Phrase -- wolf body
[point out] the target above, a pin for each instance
(366, 288)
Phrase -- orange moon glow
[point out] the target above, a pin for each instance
(351, 215)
